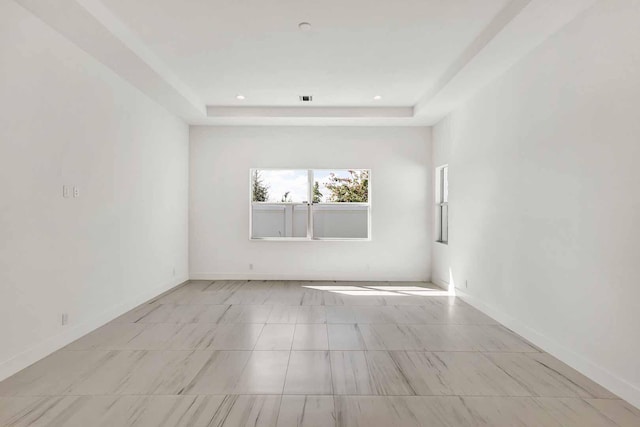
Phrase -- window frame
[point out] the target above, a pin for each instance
(309, 237)
(442, 204)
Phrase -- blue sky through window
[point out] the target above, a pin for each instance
(295, 181)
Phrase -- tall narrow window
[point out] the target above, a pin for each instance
(310, 204)
(442, 204)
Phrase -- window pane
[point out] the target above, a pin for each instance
(279, 200)
(445, 184)
(341, 186)
(340, 221)
(444, 218)
(278, 186)
(278, 220)
(268, 220)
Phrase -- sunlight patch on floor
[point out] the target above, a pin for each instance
(381, 290)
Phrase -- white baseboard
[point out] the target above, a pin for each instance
(44, 348)
(610, 381)
(374, 277)
(443, 284)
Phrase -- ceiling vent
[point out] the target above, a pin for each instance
(306, 98)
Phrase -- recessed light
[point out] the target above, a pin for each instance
(304, 26)
(377, 97)
(240, 97)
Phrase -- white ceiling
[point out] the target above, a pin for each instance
(423, 57)
(355, 50)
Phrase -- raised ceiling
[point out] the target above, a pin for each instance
(422, 56)
(355, 50)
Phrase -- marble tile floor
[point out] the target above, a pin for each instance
(268, 353)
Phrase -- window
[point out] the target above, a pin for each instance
(310, 204)
(442, 204)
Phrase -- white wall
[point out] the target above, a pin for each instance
(66, 119)
(544, 196)
(400, 163)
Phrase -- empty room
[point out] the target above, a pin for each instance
(336, 213)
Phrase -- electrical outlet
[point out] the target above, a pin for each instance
(64, 319)
(76, 191)
(66, 191)
(250, 266)
(466, 283)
